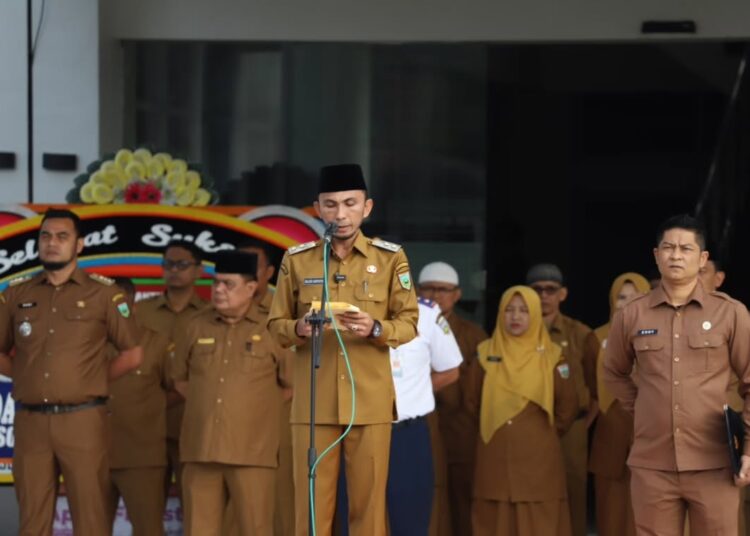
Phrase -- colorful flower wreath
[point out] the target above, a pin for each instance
(141, 177)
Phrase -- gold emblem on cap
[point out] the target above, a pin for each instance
(372, 269)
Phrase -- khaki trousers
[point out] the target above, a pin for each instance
(141, 489)
(72, 443)
(208, 488)
(661, 500)
(366, 451)
(502, 518)
(614, 511)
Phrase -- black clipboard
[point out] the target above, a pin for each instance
(735, 429)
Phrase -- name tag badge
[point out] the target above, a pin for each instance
(207, 340)
(27, 305)
(313, 281)
(648, 331)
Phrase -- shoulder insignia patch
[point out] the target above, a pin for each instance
(443, 323)
(388, 246)
(102, 279)
(564, 371)
(405, 280)
(301, 247)
(19, 280)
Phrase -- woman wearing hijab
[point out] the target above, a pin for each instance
(613, 434)
(520, 388)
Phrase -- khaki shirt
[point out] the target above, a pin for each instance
(684, 357)
(376, 279)
(60, 336)
(233, 399)
(138, 408)
(155, 313)
(523, 462)
(458, 427)
(571, 335)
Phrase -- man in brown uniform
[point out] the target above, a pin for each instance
(372, 275)
(59, 323)
(182, 267)
(138, 417)
(580, 352)
(439, 281)
(227, 367)
(686, 342)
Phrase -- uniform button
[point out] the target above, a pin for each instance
(343, 377)
(676, 382)
(343, 262)
(678, 313)
(370, 295)
(705, 343)
(676, 335)
(45, 400)
(46, 374)
(510, 422)
(676, 358)
(57, 288)
(221, 380)
(138, 372)
(51, 330)
(676, 430)
(676, 406)
(225, 361)
(49, 354)
(647, 347)
(343, 283)
(54, 309)
(218, 400)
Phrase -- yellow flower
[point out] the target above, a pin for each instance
(178, 165)
(185, 196)
(202, 197)
(102, 194)
(165, 159)
(135, 170)
(154, 168)
(123, 157)
(86, 193)
(192, 179)
(176, 180)
(97, 177)
(142, 155)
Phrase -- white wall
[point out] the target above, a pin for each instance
(420, 20)
(13, 89)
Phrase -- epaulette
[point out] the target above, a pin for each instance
(382, 244)
(425, 301)
(19, 280)
(301, 247)
(102, 279)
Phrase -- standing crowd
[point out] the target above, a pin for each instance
(424, 423)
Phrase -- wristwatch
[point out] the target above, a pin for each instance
(377, 330)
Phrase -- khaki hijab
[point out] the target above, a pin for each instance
(518, 369)
(642, 285)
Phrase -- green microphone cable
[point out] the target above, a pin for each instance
(330, 447)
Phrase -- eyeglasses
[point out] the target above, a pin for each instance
(177, 265)
(430, 289)
(546, 289)
(228, 283)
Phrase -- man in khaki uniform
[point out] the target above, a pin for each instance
(686, 342)
(372, 275)
(138, 419)
(228, 369)
(59, 323)
(439, 281)
(182, 267)
(580, 351)
(283, 518)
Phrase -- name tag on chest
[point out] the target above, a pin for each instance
(313, 281)
(648, 331)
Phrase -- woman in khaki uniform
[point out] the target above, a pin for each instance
(613, 434)
(521, 389)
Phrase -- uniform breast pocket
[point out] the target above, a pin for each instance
(200, 357)
(650, 355)
(307, 294)
(708, 352)
(27, 325)
(371, 298)
(256, 359)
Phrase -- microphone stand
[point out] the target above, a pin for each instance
(318, 321)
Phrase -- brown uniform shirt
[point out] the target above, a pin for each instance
(684, 357)
(571, 335)
(60, 335)
(457, 425)
(138, 408)
(523, 461)
(155, 313)
(374, 277)
(233, 400)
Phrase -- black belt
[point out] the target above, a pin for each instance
(61, 408)
(407, 422)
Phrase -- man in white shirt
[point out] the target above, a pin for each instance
(420, 367)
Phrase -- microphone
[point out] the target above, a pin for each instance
(330, 230)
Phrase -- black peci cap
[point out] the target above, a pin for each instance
(341, 178)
